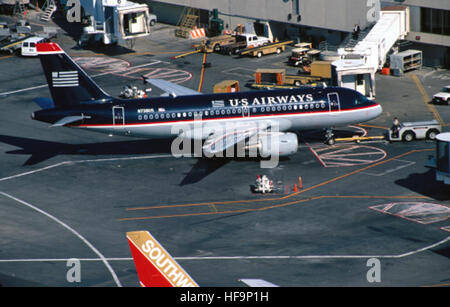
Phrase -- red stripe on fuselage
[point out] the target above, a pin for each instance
(240, 116)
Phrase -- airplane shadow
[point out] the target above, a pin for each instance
(426, 184)
(40, 151)
(202, 168)
(43, 150)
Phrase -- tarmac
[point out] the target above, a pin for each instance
(69, 194)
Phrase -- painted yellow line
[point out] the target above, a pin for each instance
(361, 138)
(202, 75)
(427, 99)
(274, 199)
(295, 202)
(438, 285)
(185, 54)
(7, 57)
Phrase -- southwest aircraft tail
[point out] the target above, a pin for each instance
(155, 267)
(69, 85)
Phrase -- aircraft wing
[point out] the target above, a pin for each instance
(225, 138)
(171, 88)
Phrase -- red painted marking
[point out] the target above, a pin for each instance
(149, 275)
(48, 47)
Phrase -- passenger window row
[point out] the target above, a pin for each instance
(229, 111)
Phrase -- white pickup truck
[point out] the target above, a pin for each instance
(443, 97)
(244, 41)
(410, 131)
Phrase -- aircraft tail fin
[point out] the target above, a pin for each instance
(154, 265)
(44, 103)
(69, 85)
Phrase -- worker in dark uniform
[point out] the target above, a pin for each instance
(395, 127)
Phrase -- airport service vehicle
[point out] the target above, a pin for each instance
(258, 119)
(152, 19)
(303, 55)
(214, 44)
(157, 268)
(409, 131)
(277, 78)
(443, 96)
(276, 47)
(263, 185)
(28, 47)
(244, 41)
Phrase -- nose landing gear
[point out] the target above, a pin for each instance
(329, 137)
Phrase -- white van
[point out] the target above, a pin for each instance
(29, 45)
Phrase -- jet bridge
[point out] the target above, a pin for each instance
(357, 66)
(113, 21)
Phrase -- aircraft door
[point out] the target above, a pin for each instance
(118, 114)
(334, 102)
(245, 111)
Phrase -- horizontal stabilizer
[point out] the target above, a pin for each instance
(171, 88)
(68, 120)
(44, 103)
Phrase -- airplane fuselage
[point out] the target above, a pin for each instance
(160, 117)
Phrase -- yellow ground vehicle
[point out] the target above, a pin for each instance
(213, 44)
(276, 47)
(278, 78)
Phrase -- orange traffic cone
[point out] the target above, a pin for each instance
(295, 188)
(299, 182)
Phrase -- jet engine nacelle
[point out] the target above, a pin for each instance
(277, 144)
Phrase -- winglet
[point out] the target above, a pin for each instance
(154, 265)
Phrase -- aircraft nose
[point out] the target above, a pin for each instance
(379, 110)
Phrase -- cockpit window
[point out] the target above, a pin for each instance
(361, 100)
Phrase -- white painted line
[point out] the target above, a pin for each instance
(32, 172)
(23, 90)
(73, 231)
(93, 76)
(306, 257)
(236, 71)
(82, 161)
(391, 170)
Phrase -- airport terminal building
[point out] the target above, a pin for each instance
(324, 20)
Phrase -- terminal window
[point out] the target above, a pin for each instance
(435, 21)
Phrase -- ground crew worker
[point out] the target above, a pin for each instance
(395, 127)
